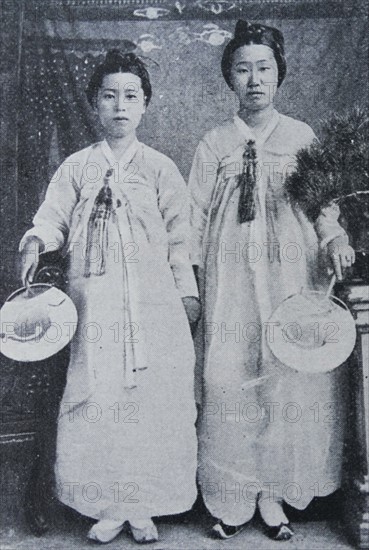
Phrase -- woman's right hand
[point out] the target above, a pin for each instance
(30, 258)
(342, 255)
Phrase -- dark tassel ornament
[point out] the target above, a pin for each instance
(97, 230)
(247, 182)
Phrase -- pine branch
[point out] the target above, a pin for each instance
(351, 195)
(334, 168)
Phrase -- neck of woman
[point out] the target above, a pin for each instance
(257, 119)
(120, 144)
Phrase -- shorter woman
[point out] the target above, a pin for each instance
(126, 448)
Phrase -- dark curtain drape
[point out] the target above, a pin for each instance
(56, 117)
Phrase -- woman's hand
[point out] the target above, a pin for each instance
(193, 308)
(30, 258)
(342, 255)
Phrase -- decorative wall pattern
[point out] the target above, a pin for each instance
(189, 93)
(192, 9)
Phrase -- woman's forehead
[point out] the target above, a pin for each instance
(251, 53)
(121, 80)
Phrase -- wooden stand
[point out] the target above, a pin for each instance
(356, 485)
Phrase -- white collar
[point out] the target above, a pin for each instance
(248, 133)
(125, 158)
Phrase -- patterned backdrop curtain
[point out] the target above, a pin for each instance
(326, 70)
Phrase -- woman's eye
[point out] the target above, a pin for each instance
(108, 96)
(242, 71)
(264, 69)
(131, 96)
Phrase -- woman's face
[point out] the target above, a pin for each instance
(254, 76)
(120, 104)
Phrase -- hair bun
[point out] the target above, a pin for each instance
(115, 54)
(242, 27)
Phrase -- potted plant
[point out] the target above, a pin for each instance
(335, 169)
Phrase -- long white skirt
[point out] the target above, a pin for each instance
(128, 453)
(282, 434)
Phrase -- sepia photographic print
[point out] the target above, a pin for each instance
(184, 304)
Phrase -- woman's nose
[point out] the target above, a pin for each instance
(254, 77)
(120, 103)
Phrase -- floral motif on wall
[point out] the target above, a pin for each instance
(211, 34)
(151, 12)
(148, 42)
(216, 6)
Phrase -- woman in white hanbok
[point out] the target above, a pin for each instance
(126, 444)
(267, 434)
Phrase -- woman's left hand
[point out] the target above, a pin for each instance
(342, 255)
(193, 308)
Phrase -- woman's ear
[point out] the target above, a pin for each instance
(94, 104)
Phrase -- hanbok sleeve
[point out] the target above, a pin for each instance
(327, 227)
(201, 184)
(173, 201)
(52, 220)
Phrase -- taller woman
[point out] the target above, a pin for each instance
(264, 440)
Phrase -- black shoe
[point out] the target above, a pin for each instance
(35, 505)
(36, 519)
(283, 531)
(223, 531)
